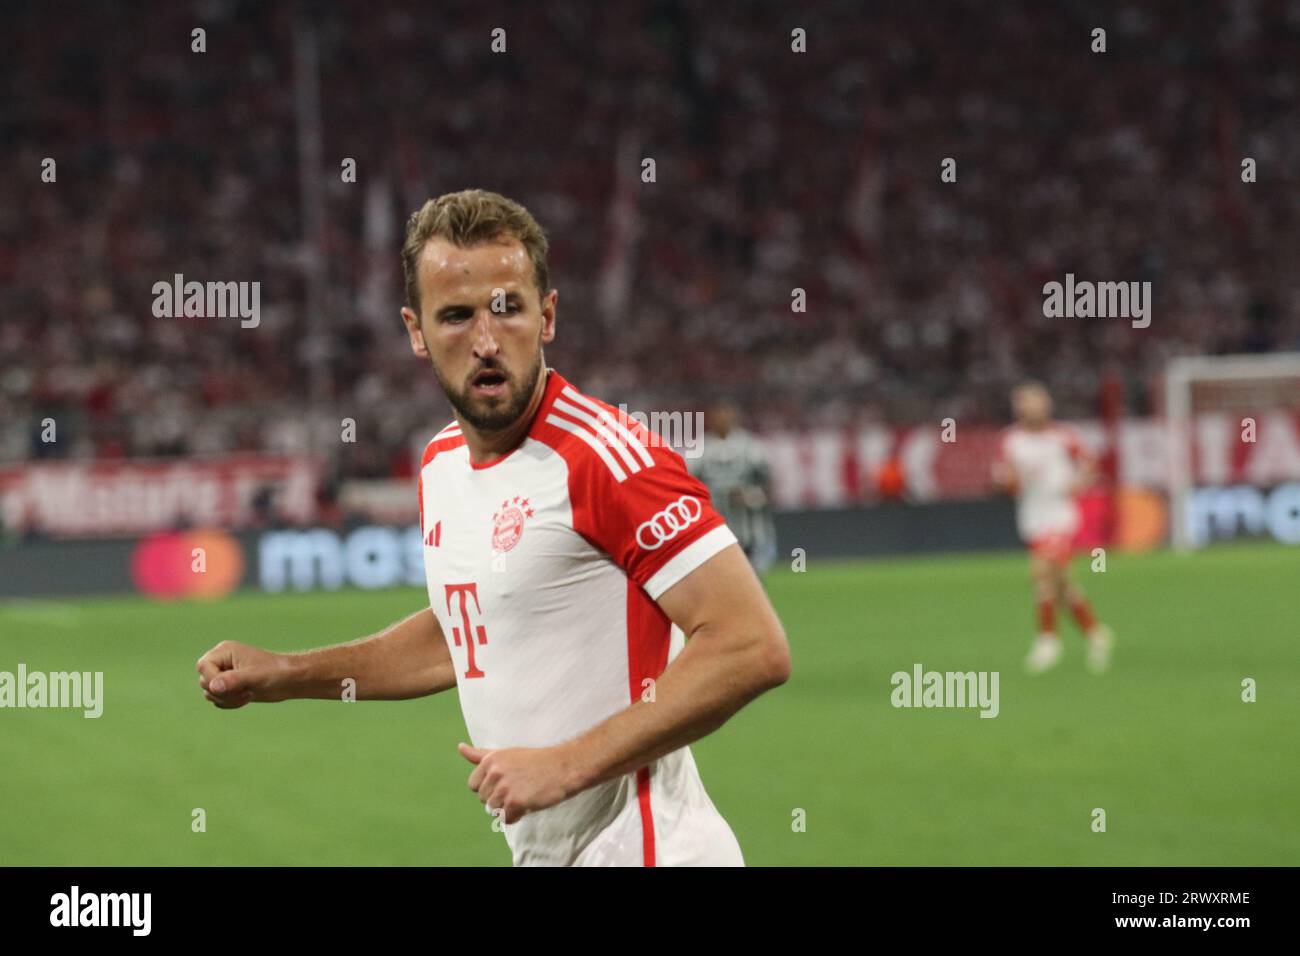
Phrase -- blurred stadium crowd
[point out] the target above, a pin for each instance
(775, 171)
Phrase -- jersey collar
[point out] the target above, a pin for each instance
(555, 384)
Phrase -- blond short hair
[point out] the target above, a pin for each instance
(468, 218)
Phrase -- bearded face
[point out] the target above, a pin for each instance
(492, 397)
(482, 328)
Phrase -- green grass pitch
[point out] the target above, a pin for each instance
(1186, 772)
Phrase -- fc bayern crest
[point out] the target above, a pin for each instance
(508, 524)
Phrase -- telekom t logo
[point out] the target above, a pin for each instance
(467, 591)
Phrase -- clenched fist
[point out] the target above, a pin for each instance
(517, 780)
(233, 674)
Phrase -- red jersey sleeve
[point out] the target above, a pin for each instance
(634, 499)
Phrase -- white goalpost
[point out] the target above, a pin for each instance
(1224, 384)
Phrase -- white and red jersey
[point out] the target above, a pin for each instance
(1045, 462)
(543, 569)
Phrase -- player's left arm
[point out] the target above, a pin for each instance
(1085, 463)
(703, 583)
(736, 650)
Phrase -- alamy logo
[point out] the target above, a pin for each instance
(102, 909)
(684, 430)
(209, 300)
(1102, 300)
(59, 689)
(922, 688)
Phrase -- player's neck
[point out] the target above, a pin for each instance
(487, 447)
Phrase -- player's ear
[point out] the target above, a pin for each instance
(412, 323)
(548, 315)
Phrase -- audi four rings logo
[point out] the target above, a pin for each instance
(665, 526)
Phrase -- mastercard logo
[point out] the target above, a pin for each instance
(1142, 520)
(202, 564)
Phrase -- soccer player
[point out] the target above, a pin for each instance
(734, 467)
(1045, 465)
(592, 609)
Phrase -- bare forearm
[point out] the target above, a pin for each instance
(737, 649)
(694, 696)
(408, 659)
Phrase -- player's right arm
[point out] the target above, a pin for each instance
(1004, 477)
(408, 659)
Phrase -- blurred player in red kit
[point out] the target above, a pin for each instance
(1045, 465)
